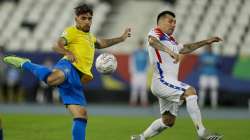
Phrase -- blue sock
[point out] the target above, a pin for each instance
(1, 134)
(41, 72)
(79, 127)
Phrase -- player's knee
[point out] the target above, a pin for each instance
(83, 113)
(190, 91)
(54, 80)
(169, 120)
(78, 111)
(51, 81)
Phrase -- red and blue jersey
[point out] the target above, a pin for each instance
(162, 63)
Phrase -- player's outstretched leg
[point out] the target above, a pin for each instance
(155, 128)
(41, 72)
(1, 130)
(195, 114)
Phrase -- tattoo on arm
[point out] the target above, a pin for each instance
(97, 45)
(154, 42)
(104, 43)
(188, 48)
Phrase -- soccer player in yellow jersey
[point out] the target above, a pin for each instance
(77, 45)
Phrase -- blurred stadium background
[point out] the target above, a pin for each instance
(28, 28)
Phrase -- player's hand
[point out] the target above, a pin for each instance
(126, 34)
(70, 56)
(214, 39)
(175, 56)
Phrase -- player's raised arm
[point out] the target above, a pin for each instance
(104, 43)
(188, 48)
(154, 42)
(59, 48)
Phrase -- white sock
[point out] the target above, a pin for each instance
(195, 114)
(155, 128)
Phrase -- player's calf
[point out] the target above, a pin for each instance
(154, 129)
(40, 71)
(79, 125)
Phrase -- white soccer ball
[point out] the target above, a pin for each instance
(106, 63)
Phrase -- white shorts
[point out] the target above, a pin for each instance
(168, 92)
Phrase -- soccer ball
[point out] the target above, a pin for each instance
(106, 63)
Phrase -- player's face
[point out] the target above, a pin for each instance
(84, 22)
(169, 24)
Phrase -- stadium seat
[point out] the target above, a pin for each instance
(47, 18)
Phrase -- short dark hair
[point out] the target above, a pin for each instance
(83, 8)
(163, 13)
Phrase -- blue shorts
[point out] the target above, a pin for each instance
(71, 90)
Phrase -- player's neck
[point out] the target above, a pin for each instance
(78, 28)
(164, 30)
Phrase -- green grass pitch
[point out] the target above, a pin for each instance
(58, 127)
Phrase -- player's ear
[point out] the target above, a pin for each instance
(76, 19)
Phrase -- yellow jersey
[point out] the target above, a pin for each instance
(81, 44)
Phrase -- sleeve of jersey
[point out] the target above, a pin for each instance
(93, 38)
(68, 36)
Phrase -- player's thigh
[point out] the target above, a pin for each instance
(77, 111)
(56, 77)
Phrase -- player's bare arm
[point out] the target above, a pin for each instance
(188, 48)
(104, 43)
(59, 48)
(154, 42)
